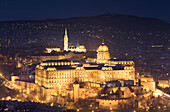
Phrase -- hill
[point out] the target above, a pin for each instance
(144, 40)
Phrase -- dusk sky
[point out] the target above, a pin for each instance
(42, 9)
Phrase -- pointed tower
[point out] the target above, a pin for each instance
(65, 41)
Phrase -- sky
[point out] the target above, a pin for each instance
(43, 9)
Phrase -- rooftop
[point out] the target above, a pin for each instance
(64, 60)
(111, 98)
(65, 67)
(120, 59)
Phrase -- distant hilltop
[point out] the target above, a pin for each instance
(119, 31)
(123, 22)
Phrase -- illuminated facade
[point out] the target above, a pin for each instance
(80, 48)
(103, 54)
(148, 83)
(59, 75)
(57, 56)
(55, 77)
(110, 103)
(50, 49)
(164, 83)
(123, 62)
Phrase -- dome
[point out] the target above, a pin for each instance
(102, 48)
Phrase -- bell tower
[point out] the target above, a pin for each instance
(65, 40)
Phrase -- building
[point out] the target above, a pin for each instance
(50, 49)
(73, 48)
(111, 103)
(57, 56)
(103, 54)
(55, 77)
(64, 72)
(164, 82)
(112, 62)
(80, 48)
(70, 74)
(148, 83)
(112, 96)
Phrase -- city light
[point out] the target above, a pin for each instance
(108, 62)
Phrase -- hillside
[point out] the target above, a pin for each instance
(127, 36)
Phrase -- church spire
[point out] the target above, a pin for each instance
(103, 41)
(65, 31)
(65, 40)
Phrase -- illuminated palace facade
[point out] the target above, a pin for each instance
(55, 77)
(62, 73)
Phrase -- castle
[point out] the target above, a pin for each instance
(55, 77)
(75, 79)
